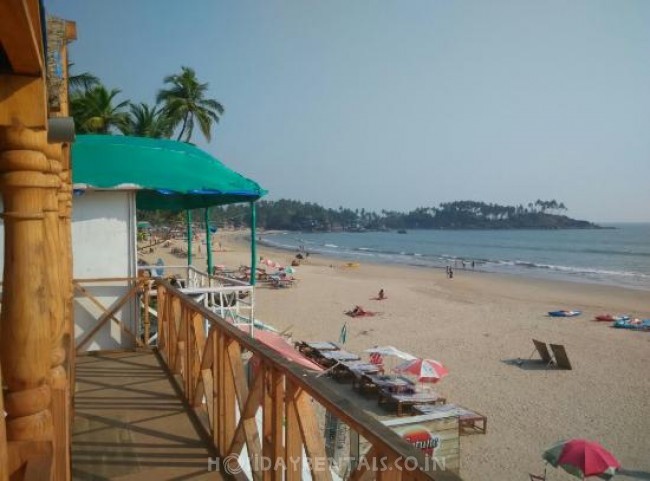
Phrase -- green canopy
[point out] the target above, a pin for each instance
(166, 174)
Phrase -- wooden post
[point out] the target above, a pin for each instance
(146, 300)
(66, 272)
(4, 458)
(55, 292)
(277, 430)
(293, 441)
(25, 344)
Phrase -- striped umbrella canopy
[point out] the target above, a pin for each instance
(425, 370)
(582, 458)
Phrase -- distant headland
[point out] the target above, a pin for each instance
(292, 215)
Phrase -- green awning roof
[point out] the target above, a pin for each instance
(166, 174)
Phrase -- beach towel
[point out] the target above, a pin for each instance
(360, 314)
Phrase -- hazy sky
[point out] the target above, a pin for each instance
(400, 104)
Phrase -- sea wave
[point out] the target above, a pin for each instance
(521, 266)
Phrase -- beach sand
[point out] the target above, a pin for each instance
(475, 324)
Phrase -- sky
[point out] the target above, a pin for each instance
(398, 104)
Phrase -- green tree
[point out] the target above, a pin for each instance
(82, 82)
(186, 104)
(94, 111)
(147, 121)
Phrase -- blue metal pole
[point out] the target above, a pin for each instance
(208, 245)
(253, 244)
(189, 236)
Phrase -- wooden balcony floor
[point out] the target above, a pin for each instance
(131, 424)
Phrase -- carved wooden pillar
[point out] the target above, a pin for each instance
(25, 341)
(4, 458)
(65, 238)
(56, 292)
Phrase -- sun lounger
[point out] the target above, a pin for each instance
(542, 349)
(403, 401)
(313, 349)
(347, 370)
(372, 383)
(331, 358)
(561, 358)
(469, 421)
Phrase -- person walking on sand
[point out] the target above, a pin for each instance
(451, 273)
(381, 296)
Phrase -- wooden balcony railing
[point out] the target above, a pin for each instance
(227, 396)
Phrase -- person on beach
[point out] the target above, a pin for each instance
(381, 296)
(451, 273)
(472, 265)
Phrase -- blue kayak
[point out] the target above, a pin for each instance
(639, 324)
(564, 313)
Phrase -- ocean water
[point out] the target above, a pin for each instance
(619, 256)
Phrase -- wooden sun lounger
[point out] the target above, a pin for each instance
(469, 421)
(279, 282)
(310, 349)
(409, 400)
(543, 351)
(561, 358)
(347, 370)
(367, 383)
(328, 359)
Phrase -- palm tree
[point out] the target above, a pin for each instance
(186, 104)
(94, 112)
(82, 82)
(146, 121)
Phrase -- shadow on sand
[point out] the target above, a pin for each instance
(529, 364)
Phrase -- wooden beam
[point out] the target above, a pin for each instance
(293, 439)
(363, 471)
(4, 457)
(277, 424)
(23, 101)
(267, 416)
(248, 415)
(70, 30)
(249, 425)
(107, 315)
(20, 30)
(312, 437)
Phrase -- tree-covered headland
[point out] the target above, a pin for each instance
(287, 214)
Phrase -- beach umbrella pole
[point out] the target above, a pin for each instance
(188, 217)
(208, 245)
(253, 244)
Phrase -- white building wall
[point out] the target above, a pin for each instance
(104, 246)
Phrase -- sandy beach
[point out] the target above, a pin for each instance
(475, 324)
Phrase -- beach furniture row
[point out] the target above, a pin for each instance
(398, 393)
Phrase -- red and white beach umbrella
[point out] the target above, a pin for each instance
(426, 370)
(582, 459)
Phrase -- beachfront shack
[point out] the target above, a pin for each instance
(113, 177)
